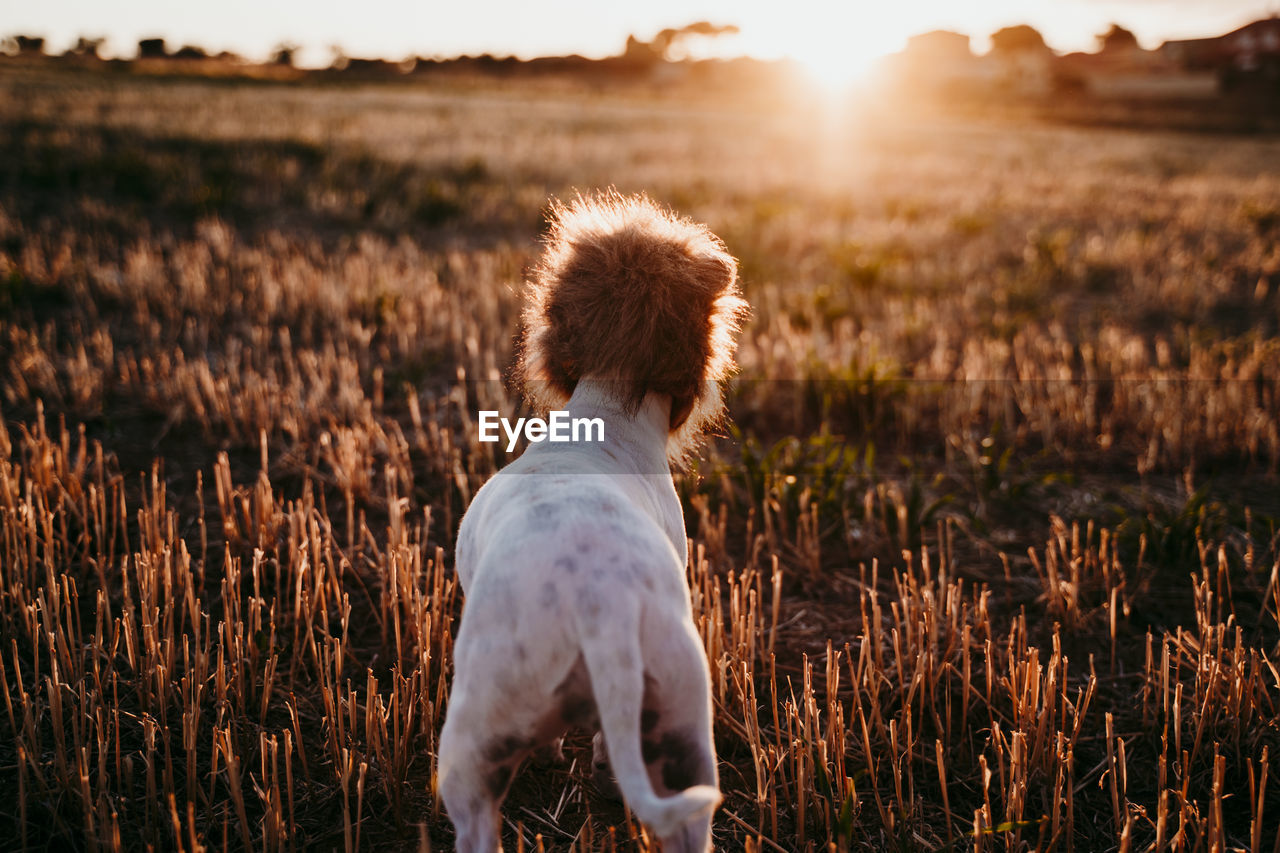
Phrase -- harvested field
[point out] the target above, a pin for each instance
(988, 560)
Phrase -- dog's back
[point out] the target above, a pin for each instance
(578, 615)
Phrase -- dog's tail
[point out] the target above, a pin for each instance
(616, 670)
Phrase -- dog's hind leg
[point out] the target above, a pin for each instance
(600, 773)
(676, 733)
(550, 753)
(615, 662)
(475, 770)
(471, 788)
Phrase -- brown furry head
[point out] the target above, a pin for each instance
(632, 294)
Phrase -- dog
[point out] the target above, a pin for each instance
(572, 558)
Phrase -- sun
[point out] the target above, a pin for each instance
(844, 57)
(838, 71)
(839, 44)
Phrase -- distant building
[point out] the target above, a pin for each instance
(1254, 49)
(1131, 73)
(1185, 69)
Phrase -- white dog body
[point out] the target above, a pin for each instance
(577, 613)
(573, 557)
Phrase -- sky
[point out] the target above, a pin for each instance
(819, 32)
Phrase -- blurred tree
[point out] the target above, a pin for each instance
(1117, 38)
(641, 52)
(667, 43)
(1017, 38)
(284, 53)
(29, 45)
(152, 48)
(88, 47)
(191, 51)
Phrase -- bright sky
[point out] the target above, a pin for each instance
(823, 33)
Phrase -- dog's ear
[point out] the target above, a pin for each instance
(717, 272)
(545, 382)
(704, 411)
(715, 275)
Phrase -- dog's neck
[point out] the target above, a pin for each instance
(635, 443)
(635, 438)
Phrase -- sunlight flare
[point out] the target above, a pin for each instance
(839, 46)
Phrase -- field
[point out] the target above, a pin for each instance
(988, 560)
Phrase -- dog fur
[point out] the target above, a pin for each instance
(631, 295)
(573, 557)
